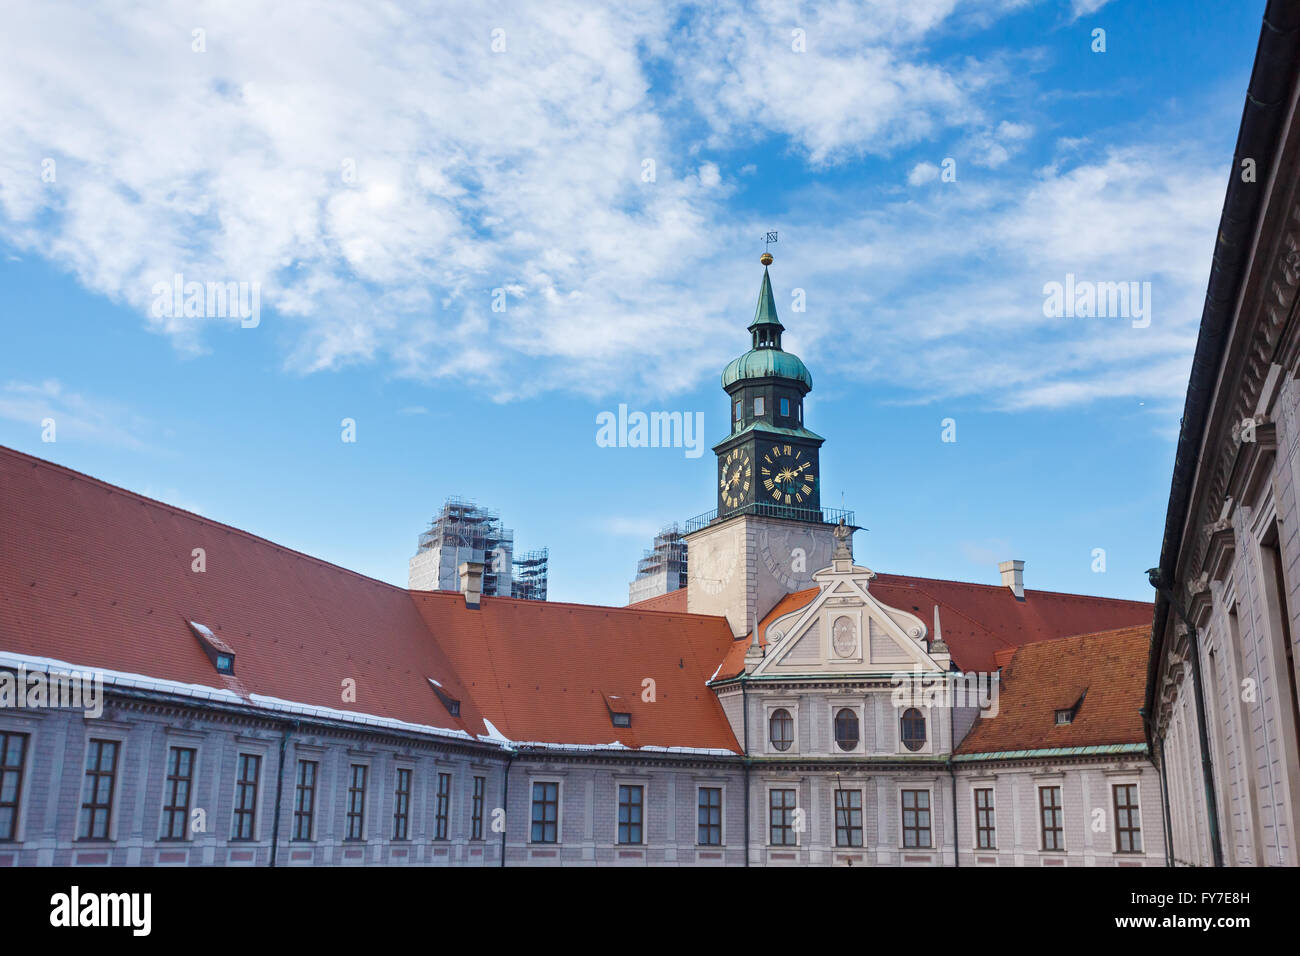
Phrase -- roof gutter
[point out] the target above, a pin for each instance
(1267, 101)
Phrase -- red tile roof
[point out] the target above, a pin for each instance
(979, 621)
(1106, 670)
(545, 668)
(100, 577)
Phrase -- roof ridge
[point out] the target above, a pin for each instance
(72, 472)
(528, 602)
(998, 587)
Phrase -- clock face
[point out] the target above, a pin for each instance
(787, 475)
(735, 475)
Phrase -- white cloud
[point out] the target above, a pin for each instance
(76, 417)
(383, 173)
(922, 173)
(1085, 8)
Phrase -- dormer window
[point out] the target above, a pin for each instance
(1066, 715)
(619, 718)
(221, 654)
(451, 703)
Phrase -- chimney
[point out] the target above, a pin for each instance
(471, 582)
(1013, 576)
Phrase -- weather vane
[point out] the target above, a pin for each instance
(768, 239)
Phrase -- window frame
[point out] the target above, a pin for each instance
(169, 807)
(785, 407)
(557, 823)
(1058, 811)
(442, 805)
(1135, 814)
(638, 805)
(836, 709)
(760, 406)
(402, 803)
(925, 744)
(241, 787)
(299, 788)
(352, 812)
(860, 809)
(478, 800)
(792, 712)
(904, 809)
(787, 824)
(110, 821)
(16, 805)
(977, 816)
(721, 790)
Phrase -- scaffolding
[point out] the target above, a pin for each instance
(464, 531)
(530, 575)
(662, 568)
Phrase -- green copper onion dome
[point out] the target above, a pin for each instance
(766, 359)
(765, 363)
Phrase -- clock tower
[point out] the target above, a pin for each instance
(768, 463)
(769, 532)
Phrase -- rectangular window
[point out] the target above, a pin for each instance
(249, 767)
(848, 818)
(737, 411)
(13, 756)
(1128, 825)
(1050, 813)
(710, 816)
(476, 811)
(758, 406)
(401, 803)
(630, 805)
(356, 825)
(176, 802)
(546, 812)
(985, 827)
(785, 408)
(780, 808)
(304, 800)
(916, 818)
(97, 805)
(443, 809)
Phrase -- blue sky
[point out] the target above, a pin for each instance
(523, 169)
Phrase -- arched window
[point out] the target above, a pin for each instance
(913, 729)
(781, 727)
(846, 729)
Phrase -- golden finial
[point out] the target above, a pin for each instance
(766, 258)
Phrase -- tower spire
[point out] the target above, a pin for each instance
(766, 327)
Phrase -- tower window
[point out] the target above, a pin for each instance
(846, 729)
(800, 407)
(785, 408)
(913, 729)
(758, 406)
(781, 729)
(737, 411)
